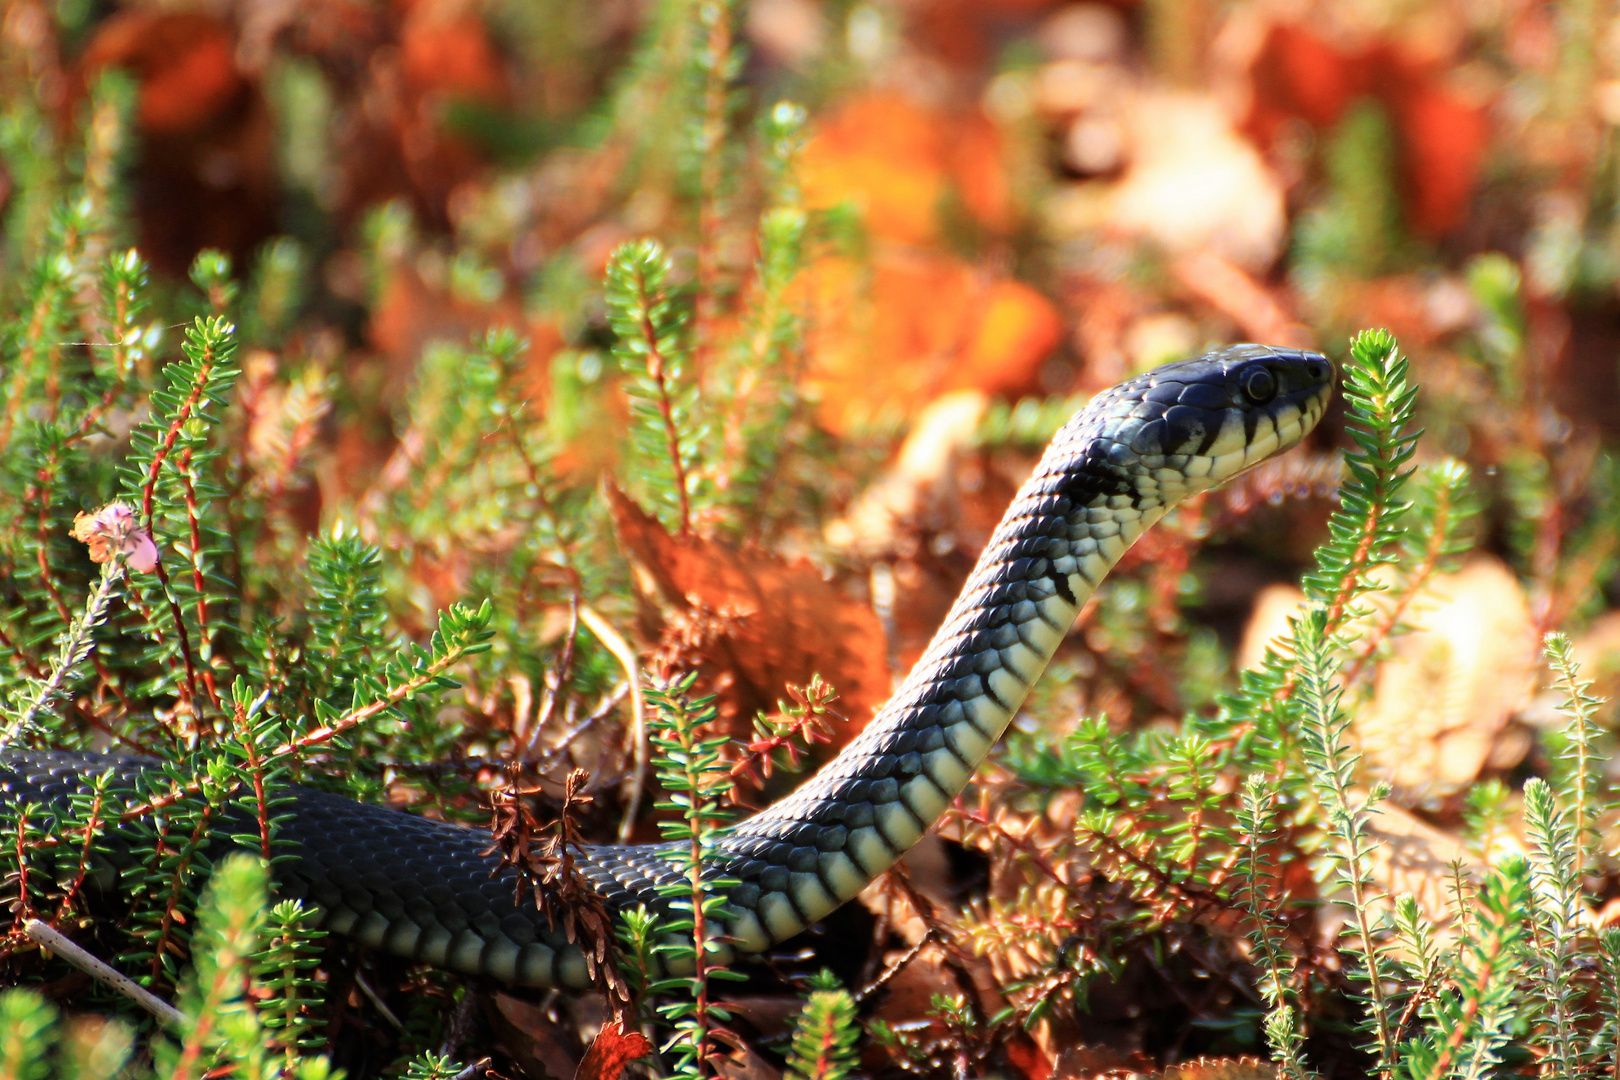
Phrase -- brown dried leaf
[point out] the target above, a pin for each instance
(1195, 184)
(1445, 695)
(919, 474)
(1412, 856)
(1598, 653)
(545, 1049)
(1439, 705)
(1231, 290)
(910, 993)
(1442, 699)
(744, 1064)
(1273, 606)
(771, 1016)
(611, 1050)
(758, 621)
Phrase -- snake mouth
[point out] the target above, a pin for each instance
(1188, 426)
(1277, 396)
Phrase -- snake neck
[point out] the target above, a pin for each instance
(805, 855)
(994, 644)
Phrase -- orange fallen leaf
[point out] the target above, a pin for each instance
(759, 621)
(887, 336)
(973, 160)
(882, 154)
(447, 49)
(611, 1050)
(1027, 1058)
(1442, 135)
(1442, 142)
(183, 61)
(546, 340)
(898, 162)
(883, 334)
(1297, 74)
(409, 314)
(1017, 328)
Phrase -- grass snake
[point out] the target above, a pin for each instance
(423, 889)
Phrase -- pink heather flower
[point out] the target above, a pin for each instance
(112, 530)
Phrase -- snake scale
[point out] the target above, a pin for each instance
(423, 889)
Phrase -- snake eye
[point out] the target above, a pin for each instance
(1259, 385)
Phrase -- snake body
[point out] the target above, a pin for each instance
(424, 890)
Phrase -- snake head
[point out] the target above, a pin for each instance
(1190, 426)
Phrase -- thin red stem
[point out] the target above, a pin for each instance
(261, 804)
(149, 489)
(171, 905)
(656, 368)
(92, 828)
(194, 520)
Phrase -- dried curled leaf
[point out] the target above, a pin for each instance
(611, 1050)
(1442, 698)
(1195, 184)
(1297, 74)
(753, 622)
(923, 467)
(546, 865)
